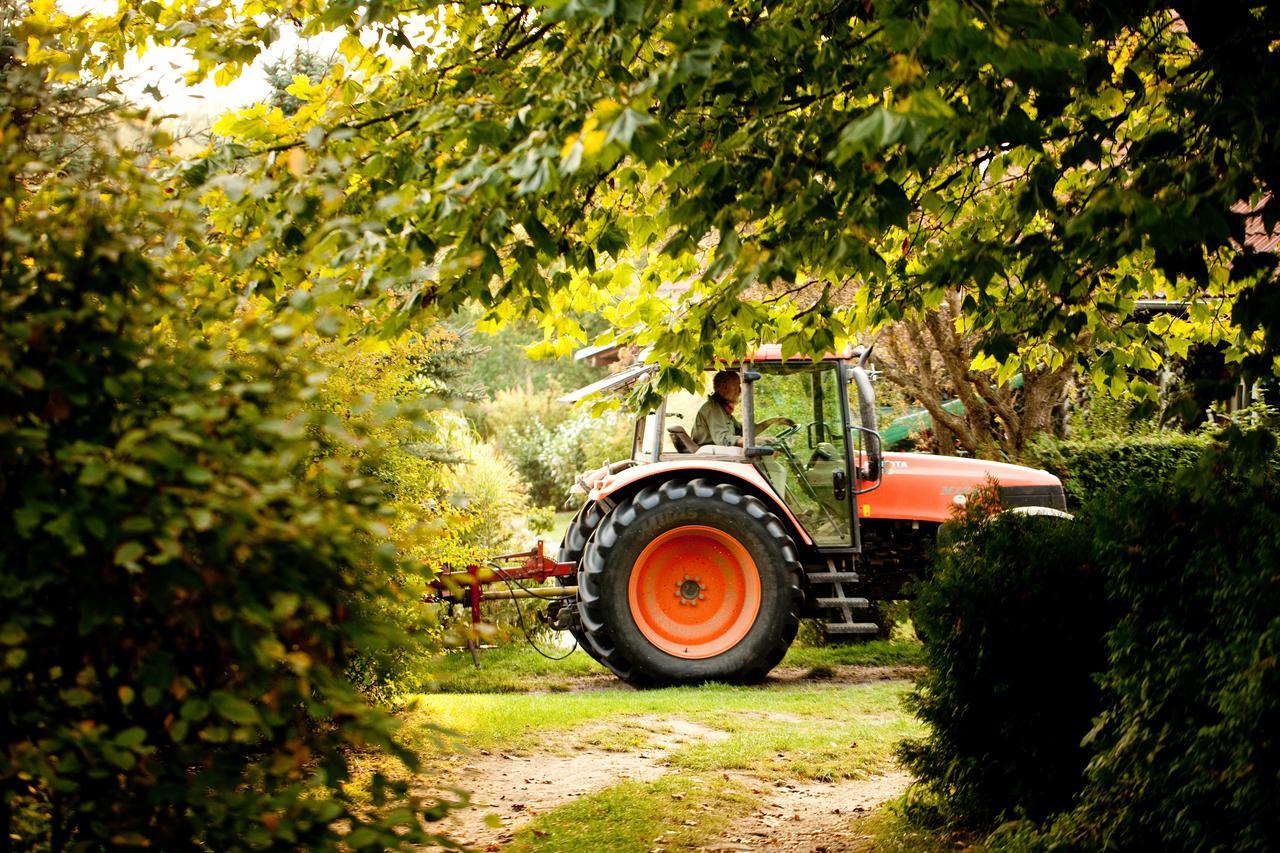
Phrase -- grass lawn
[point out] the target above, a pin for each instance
(818, 723)
(816, 731)
(786, 731)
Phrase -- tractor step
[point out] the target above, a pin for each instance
(832, 577)
(851, 628)
(860, 603)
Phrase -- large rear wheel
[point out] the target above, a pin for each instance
(687, 582)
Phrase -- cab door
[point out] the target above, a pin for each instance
(810, 467)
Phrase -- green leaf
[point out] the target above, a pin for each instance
(363, 837)
(626, 125)
(29, 377)
(127, 554)
(234, 708)
(93, 473)
(198, 475)
(131, 738)
(878, 128)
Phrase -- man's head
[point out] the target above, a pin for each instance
(728, 385)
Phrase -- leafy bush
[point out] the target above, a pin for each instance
(177, 558)
(486, 486)
(1141, 638)
(454, 500)
(390, 396)
(1014, 616)
(1111, 466)
(1187, 744)
(551, 444)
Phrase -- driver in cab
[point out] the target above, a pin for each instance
(715, 423)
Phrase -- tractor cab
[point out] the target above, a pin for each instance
(807, 427)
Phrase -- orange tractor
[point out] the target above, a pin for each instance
(692, 563)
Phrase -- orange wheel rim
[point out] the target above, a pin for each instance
(694, 592)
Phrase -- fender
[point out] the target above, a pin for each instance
(742, 472)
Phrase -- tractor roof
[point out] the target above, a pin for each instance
(625, 378)
(773, 353)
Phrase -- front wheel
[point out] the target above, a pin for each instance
(687, 582)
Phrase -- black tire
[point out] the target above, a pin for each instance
(582, 527)
(610, 558)
(580, 531)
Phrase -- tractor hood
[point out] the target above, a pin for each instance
(922, 487)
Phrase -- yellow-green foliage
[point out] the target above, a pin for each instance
(366, 379)
(486, 487)
(454, 500)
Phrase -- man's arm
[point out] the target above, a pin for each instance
(768, 422)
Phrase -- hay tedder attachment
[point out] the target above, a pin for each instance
(515, 572)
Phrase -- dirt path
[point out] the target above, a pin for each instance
(803, 676)
(811, 816)
(515, 788)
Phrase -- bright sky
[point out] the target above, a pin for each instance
(197, 107)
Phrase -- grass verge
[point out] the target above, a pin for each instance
(889, 830)
(509, 669)
(898, 651)
(520, 669)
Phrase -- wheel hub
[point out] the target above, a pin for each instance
(691, 590)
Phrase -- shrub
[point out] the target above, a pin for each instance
(486, 486)
(1014, 616)
(387, 396)
(454, 500)
(1188, 742)
(1141, 638)
(1114, 465)
(177, 561)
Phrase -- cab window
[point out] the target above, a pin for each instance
(809, 461)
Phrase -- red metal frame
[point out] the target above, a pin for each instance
(531, 565)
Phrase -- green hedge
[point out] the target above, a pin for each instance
(1014, 616)
(1169, 593)
(1110, 466)
(1187, 746)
